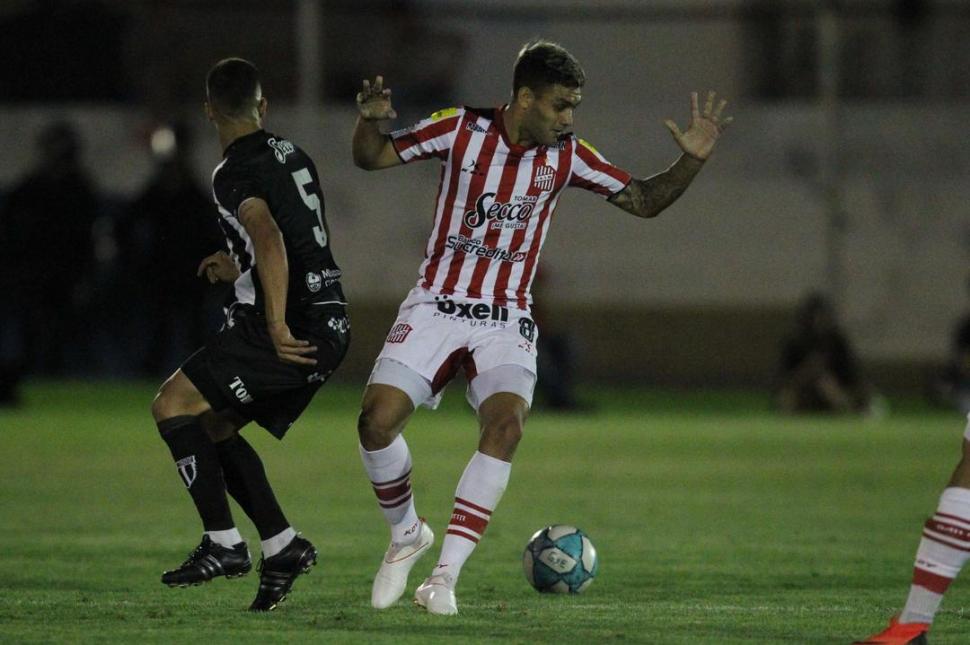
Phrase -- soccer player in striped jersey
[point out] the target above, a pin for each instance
(502, 173)
(943, 550)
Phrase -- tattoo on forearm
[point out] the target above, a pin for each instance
(647, 197)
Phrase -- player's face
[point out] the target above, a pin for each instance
(550, 115)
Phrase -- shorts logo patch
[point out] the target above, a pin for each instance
(339, 325)
(471, 311)
(399, 333)
(314, 282)
(187, 470)
(239, 389)
(527, 328)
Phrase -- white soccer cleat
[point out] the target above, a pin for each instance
(437, 595)
(392, 577)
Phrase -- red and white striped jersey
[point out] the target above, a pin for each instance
(495, 201)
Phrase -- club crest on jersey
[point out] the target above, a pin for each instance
(314, 282)
(544, 177)
(281, 148)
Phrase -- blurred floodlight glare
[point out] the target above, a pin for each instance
(163, 142)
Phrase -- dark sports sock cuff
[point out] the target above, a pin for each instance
(174, 423)
(227, 446)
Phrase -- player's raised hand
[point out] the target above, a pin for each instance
(374, 101)
(704, 127)
(218, 267)
(289, 349)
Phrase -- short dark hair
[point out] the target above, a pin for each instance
(542, 63)
(232, 86)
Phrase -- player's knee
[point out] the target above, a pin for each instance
(177, 397)
(217, 428)
(377, 427)
(504, 430)
(163, 405)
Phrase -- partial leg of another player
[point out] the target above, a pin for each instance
(285, 554)
(502, 416)
(177, 410)
(384, 413)
(943, 550)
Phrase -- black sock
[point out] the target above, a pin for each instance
(246, 482)
(198, 465)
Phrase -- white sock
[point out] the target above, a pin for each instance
(479, 491)
(278, 542)
(228, 538)
(389, 470)
(942, 552)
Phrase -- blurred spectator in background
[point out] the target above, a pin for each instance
(951, 388)
(422, 58)
(167, 230)
(556, 361)
(819, 372)
(48, 257)
(11, 354)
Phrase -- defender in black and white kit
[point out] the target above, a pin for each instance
(242, 371)
(285, 333)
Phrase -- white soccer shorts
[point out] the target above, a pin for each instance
(435, 336)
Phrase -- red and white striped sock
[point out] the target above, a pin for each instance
(479, 491)
(942, 552)
(389, 470)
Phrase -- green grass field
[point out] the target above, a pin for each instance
(716, 522)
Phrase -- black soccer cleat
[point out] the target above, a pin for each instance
(276, 574)
(210, 560)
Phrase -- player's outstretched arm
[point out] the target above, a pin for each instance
(648, 197)
(373, 149)
(273, 268)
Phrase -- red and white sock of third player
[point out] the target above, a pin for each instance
(942, 552)
(479, 491)
(389, 470)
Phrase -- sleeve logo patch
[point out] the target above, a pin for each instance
(589, 146)
(444, 114)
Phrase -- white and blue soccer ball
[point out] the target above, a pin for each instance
(560, 559)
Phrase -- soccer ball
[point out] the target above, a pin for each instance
(560, 559)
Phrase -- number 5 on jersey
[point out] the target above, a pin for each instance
(302, 178)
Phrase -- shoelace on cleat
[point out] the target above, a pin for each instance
(196, 553)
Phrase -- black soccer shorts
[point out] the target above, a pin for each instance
(239, 368)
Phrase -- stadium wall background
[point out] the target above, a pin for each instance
(701, 295)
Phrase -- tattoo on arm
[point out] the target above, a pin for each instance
(647, 197)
